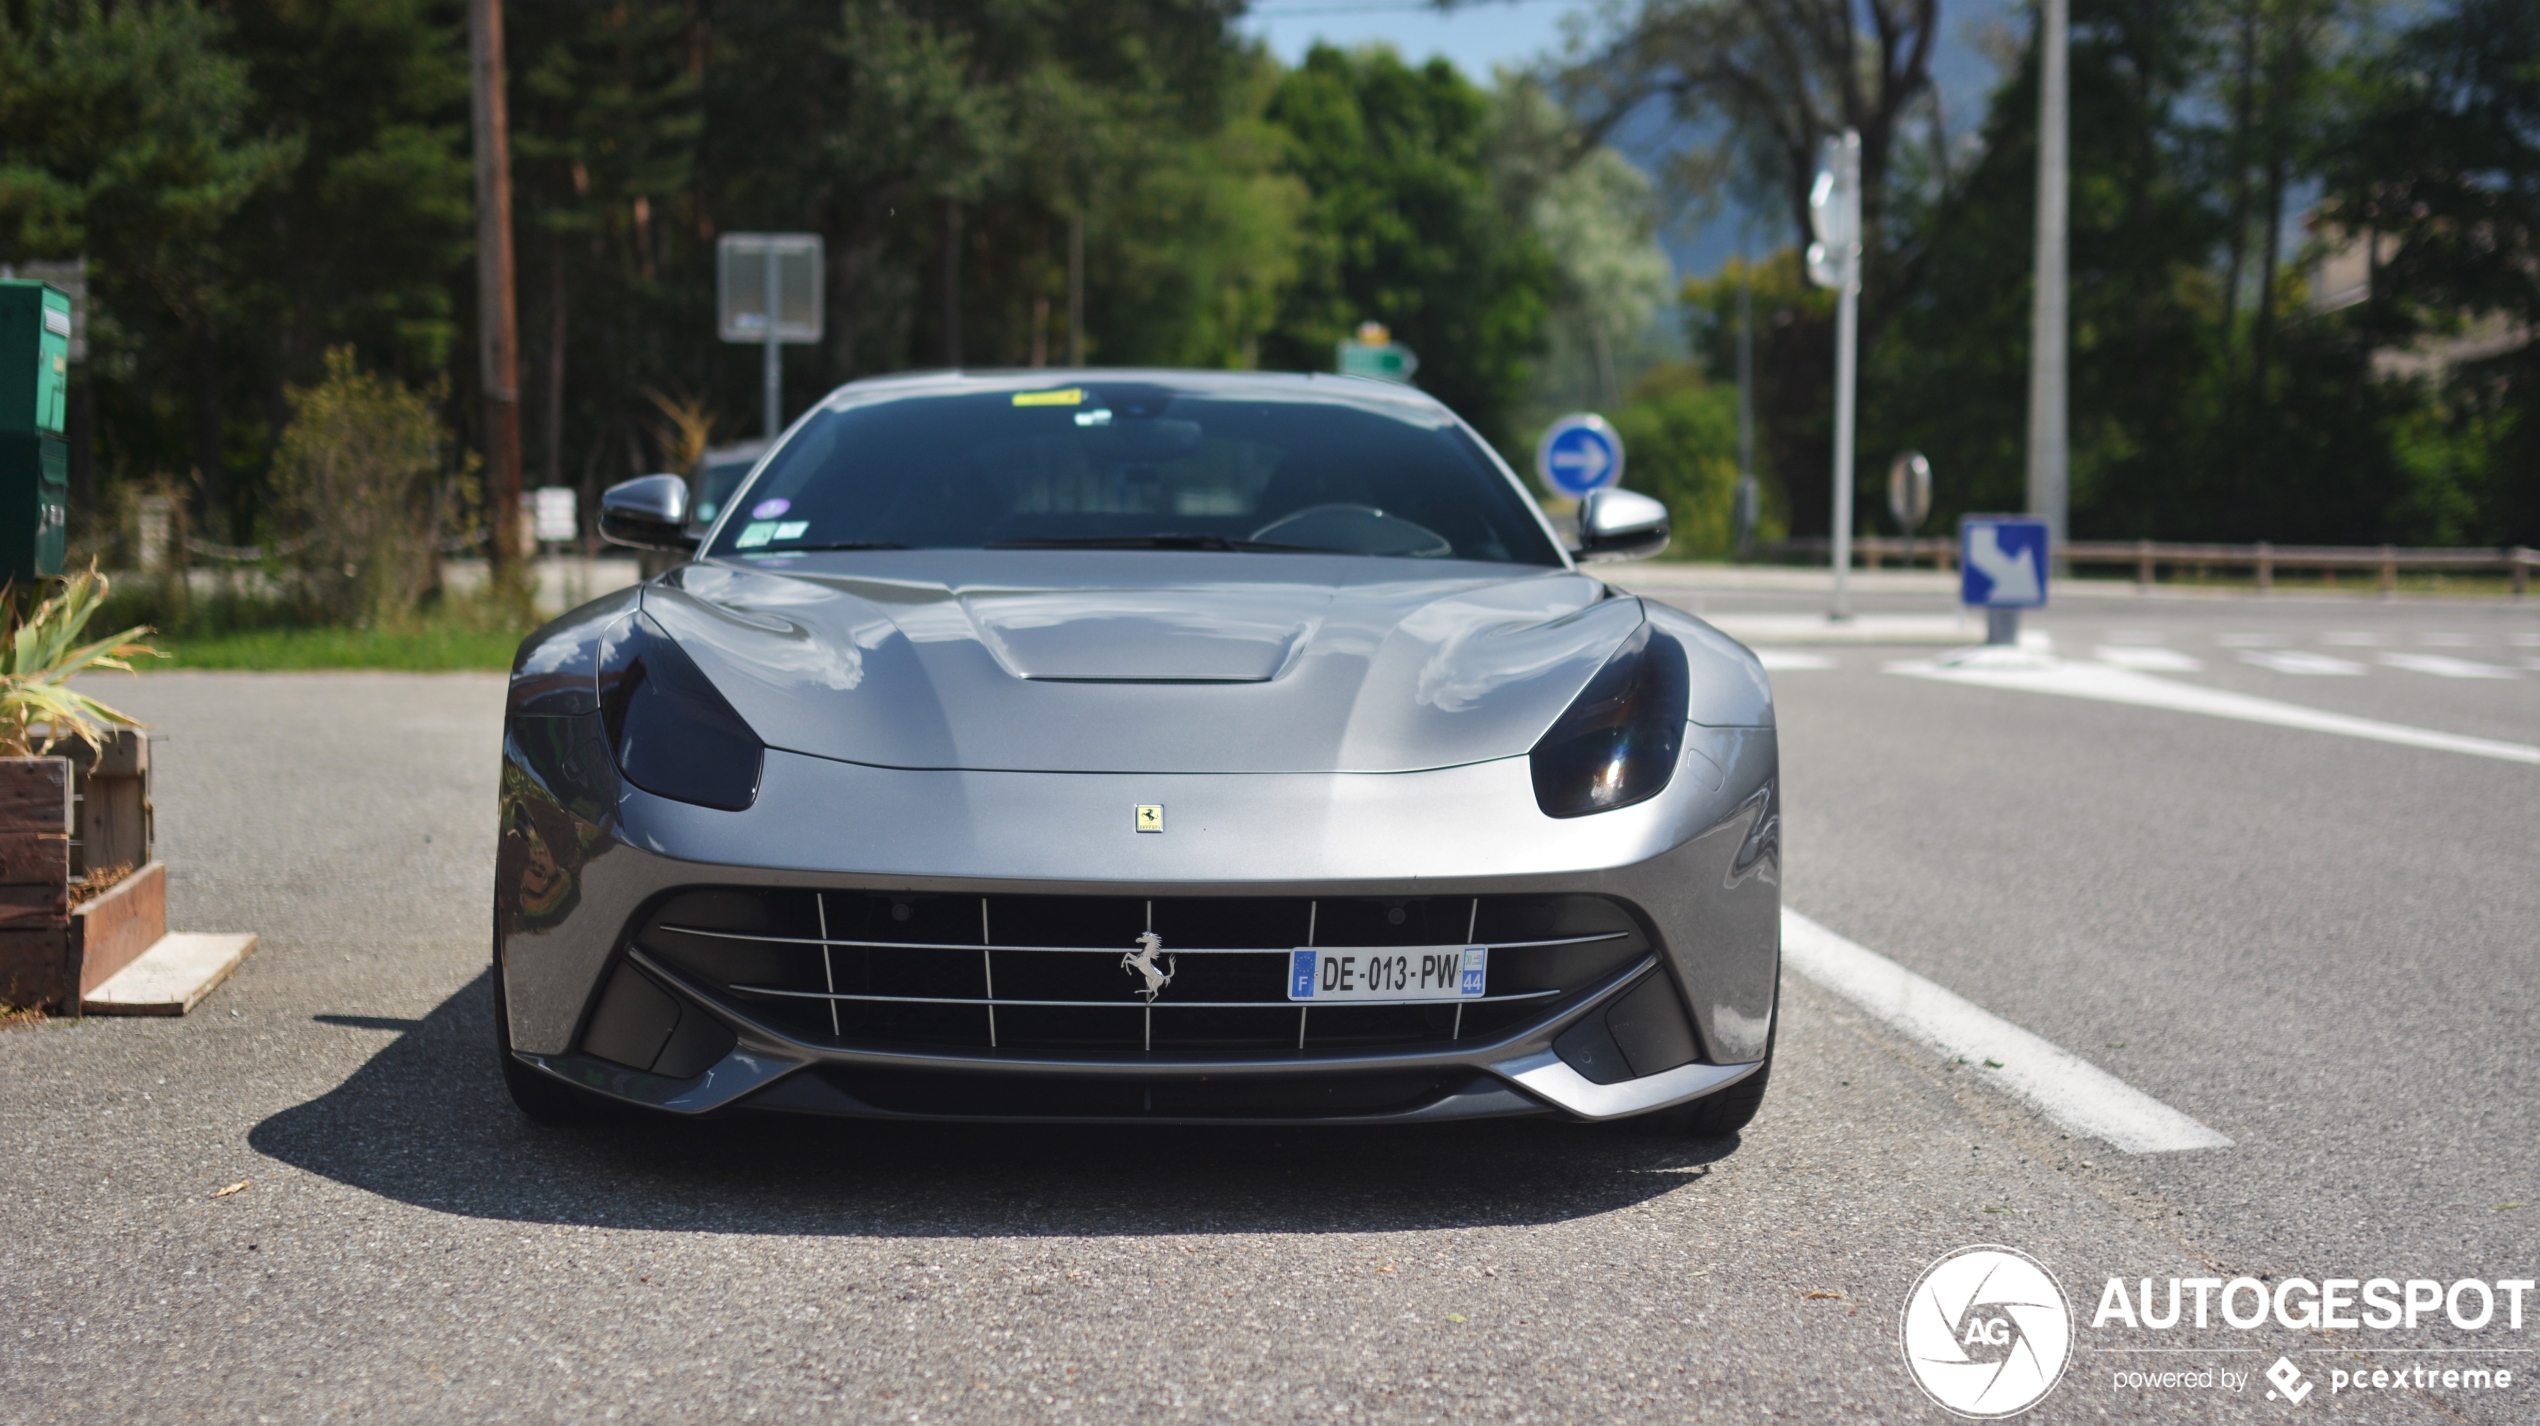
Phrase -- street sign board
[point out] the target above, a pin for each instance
(1579, 453)
(745, 289)
(2002, 561)
(1373, 353)
(555, 519)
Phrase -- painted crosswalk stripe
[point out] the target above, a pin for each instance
(2120, 685)
(2064, 1087)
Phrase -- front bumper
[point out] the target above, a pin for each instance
(583, 853)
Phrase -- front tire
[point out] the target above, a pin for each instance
(544, 1098)
(1717, 1116)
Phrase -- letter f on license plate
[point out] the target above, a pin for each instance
(1388, 974)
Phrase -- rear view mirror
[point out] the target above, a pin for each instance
(1619, 525)
(649, 512)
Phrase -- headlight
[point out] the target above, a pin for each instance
(1618, 742)
(673, 734)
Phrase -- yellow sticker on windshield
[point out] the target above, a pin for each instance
(1072, 396)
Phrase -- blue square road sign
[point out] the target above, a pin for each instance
(2002, 561)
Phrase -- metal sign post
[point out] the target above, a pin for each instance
(767, 288)
(2002, 563)
(1834, 260)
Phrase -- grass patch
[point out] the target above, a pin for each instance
(420, 648)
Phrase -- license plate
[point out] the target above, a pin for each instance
(1381, 974)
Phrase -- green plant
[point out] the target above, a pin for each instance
(355, 472)
(43, 654)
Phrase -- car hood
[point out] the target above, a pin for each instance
(1161, 661)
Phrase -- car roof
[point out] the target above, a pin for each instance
(1354, 390)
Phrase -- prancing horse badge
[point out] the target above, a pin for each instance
(1150, 816)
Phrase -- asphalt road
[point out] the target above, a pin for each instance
(2323, 947)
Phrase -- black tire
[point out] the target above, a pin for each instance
(1717, 1116)
(544, 1098)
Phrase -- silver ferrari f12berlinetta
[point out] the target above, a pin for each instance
(1137, 746)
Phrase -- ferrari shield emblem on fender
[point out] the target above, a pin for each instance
(1150, 816)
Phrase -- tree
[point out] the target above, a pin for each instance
(1681, 432)
(355, 479)
(2434, 167)
(1406, 228)
(126, 135)
(1775, 79)
(1597, 217)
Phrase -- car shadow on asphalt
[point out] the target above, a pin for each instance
(426, 1121)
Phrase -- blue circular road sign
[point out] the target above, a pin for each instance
(1580, 453)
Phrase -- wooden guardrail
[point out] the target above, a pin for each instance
(2148, 556)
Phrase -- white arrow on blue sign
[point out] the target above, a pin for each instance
(1580, 453)
(2002, 562)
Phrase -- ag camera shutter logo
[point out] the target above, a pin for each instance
(1987, 1332)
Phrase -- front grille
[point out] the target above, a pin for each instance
(1043, 1097)
(1046, 973)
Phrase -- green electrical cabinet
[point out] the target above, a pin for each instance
(35, 351)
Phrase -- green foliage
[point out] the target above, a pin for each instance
(2208, 400)
(258, 182)
(1597, 217)
(1406, 228)
(417, 646)
(357, 491)
(43, 653)
(1794, 352)
(1679, 432)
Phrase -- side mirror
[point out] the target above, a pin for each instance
(1619, 525)
(649, 512)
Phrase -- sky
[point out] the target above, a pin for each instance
(1481, 35)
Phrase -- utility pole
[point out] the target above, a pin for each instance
(1075, 289)
(498, 338)
(1746, 490)
(1834, 260)
(2048, 369)
(952, 282)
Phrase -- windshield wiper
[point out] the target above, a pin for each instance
(834, 545)
(1190, 541)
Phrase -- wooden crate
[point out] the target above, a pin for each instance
(110, 802)
(61, 817)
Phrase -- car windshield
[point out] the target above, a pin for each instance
(1135, 466)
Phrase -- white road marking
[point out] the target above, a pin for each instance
(2119, 685)
(2061, 1085)
(2524, 641)
(2446, 641)
(1777, 659)
(2249, 641)
(2445, 666)
(2352, 640)
(2136, 636)
(2302, 662)
(2147, 658)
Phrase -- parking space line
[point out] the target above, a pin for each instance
(2303, 663)
(2118, 685)
(1775, 660)
(2148, 658)
(2070, 1090)
(2445, 666)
